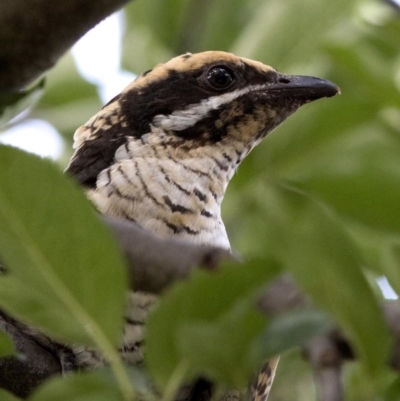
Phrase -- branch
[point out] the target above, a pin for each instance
(35, 34)
(33, 364)
(155, 263)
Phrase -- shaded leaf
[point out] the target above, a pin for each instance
(6, 345)
(78, 387)
(64, 272)
(364, 186)
(201, 307)
(293, 329)
(269, 35)
(392, 392)
(6, 396)
(222, 350)
(310, 242)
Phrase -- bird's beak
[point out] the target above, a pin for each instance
(303, 88)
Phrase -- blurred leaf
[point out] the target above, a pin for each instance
(365, 73)
(365, 185)
(361, 387)
(202, 306)
(283, 33)
(6, 396)
(293, 380)
(69, 100)
(293, 329)
(65, 85)
(12, 104)
(163, 17)
(6, 345)
(221, 24)
(393, 391)
(309, 241)
(390, 264)
(141, 382)
(58, 254)
(78, 387)
(222, 350)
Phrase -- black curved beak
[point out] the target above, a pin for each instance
(303, 88)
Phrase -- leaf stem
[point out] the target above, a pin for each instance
(175, 381)
(116, 365)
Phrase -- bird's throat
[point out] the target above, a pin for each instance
(168, 195)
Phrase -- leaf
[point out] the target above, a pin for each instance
(64, 272)
(364, 186)
(271, 29)
(293, 329)
(161, 16)
(6, 396)
(12, 104)
(78, 387)
(392, 391)
(310, 242)
(222, 350)
(6, 345)
(207, 306)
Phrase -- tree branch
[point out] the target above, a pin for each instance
(35, 34)
(33, 364)
(155, 263)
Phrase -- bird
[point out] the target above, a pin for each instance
(161, 154)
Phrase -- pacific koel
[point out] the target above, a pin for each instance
(162, 152)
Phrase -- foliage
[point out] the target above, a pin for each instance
(318, 198)
(6, 345)
(6, 396)
(84, 387)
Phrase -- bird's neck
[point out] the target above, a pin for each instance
(170, 191)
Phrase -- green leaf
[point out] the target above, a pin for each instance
(365, 184)
(392, 391)
(163, 17)
(6, 396)
(207, 306)
(78, 387)
(273, 25)
(391, 265)
(310, 242)
(223, 350)
(293, 329)
(6, 345)
(11, 104)
(64, 272)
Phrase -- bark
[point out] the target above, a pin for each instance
(34, 34)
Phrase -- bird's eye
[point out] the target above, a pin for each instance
(220, 77)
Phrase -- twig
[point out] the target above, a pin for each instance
(326, 362)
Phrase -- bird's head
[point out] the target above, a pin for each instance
(209, 97)
(195, 101)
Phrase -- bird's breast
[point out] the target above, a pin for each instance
(166, 196)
